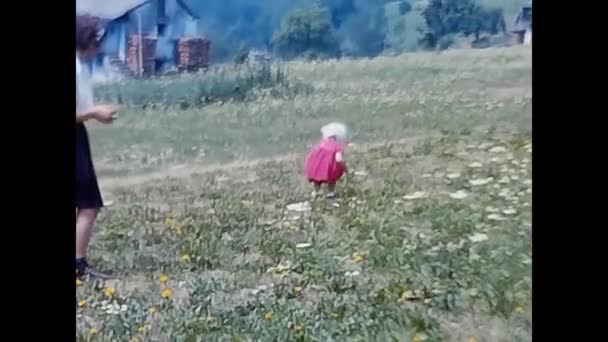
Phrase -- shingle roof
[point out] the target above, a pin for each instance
(107, 9)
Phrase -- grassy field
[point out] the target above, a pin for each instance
(430, 239)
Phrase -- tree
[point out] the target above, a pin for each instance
(448, 17)
(306, 31)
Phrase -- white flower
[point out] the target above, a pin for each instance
(509, 211)
(495, 160)
(360, 173)
(453, 175)
(415, 195)
(352, 274)
(504, 180)
(495, 217)
(427, 175)
(525, 160)
(491, 210)
(304, 245)
(300, 207)
(498, 149)
(504, 193)
(476, 182)
(515, 178)
(479, 237)
(528, 182)
(475, 165)
(460, 194)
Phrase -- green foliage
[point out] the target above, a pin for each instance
(238, 83)
(445, 17)
(306, 31)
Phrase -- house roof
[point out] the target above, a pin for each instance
(184, 4)
(112, 9)
(107, 9)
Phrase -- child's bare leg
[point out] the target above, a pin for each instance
(317, 189)
(331, 187)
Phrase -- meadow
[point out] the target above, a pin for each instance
(214, 235)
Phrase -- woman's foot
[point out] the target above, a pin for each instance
(86, 271)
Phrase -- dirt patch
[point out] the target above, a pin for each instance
(111, 184)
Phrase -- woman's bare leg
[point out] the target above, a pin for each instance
(85, 223)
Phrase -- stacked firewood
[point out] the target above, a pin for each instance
(192, 53)
(148, 53)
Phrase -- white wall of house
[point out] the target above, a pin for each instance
(528, 37)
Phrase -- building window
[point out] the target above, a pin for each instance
(162, 29)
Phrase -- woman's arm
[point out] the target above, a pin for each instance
(82, 117)
(102, 113)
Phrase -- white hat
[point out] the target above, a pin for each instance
(334, 129)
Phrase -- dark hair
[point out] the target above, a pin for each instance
(88, 30)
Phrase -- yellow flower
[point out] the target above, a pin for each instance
(297, 289)
(109, 291)
(82, 303)
(166, 293)
(152, 310)
(164, 279)
(78, 282)
(419, 338)
(519, 310)
(135, 339)
(93, 332)
(268, 316)
(473, 339)
(186, 258)
(143, 329)
(358, 257)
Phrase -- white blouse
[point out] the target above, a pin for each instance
(84, 87)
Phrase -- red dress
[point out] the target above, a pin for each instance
(321, 164)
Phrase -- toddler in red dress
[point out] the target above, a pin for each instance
(325, 162)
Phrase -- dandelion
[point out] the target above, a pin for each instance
(134, 339)
(478, 237)
(473, 339)
(142, 329)
(166, 294)
(82, 303)
(358, 257)
(419, 338)
(185, 258)
(164, 279)
(298, 289)
(152, 310)
(109, 291)
(78, 283)
(93, 332)
(460, 194)
(268, 316)
(519, 310)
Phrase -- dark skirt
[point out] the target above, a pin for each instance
(88, 195)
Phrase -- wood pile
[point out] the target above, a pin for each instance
(192, 54)
(148, 54)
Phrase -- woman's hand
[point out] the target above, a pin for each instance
(105, 113)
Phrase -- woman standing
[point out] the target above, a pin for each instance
(88, 197)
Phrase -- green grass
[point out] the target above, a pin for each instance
(376, 264)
